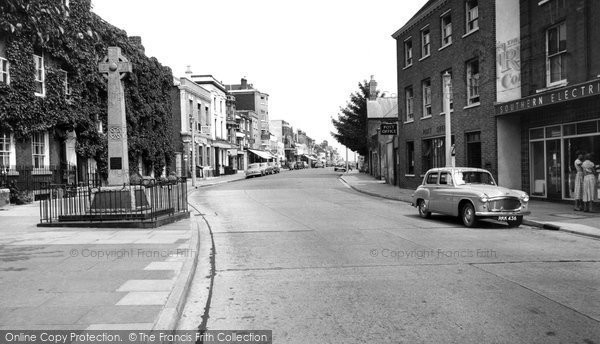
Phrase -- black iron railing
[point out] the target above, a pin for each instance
(138, 203)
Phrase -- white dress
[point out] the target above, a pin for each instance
(589, 182)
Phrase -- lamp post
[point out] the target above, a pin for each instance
(447, 95)
(193, 159)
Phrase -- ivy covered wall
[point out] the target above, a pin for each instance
(75, 40)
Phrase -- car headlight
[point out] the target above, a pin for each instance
(525, 198)
(484, 199)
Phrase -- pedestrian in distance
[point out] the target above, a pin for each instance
(578, 191)
(590, 194)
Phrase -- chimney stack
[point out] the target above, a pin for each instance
(188, 70)
(372, 88)
(244, 83)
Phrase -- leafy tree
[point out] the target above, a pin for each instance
(351, 125)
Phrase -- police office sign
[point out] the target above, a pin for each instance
(588, 89)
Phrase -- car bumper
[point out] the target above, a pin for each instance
(253, 173)
(501, 213)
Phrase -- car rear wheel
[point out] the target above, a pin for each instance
(467, 215)
(515, 223)
(423, 210)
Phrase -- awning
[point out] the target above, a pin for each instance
(222, 144)
(309, 157)
(262, 154)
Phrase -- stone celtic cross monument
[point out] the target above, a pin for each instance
(115, 67)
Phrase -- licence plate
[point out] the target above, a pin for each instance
(507, 218)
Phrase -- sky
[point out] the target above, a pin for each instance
(309, 56)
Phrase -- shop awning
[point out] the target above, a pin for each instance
(309, 157)
(222, 144)
(262, 154)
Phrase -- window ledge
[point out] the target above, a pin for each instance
(424, 57)
(411, 121)
(426, 117)
(9, 173)
(444, 46)
(40, 94)
(41, 172)
(408, 66)
(470, 33)
(443, 113)
(409, 175)
(542, 2)
(472, 106)
(556, 85)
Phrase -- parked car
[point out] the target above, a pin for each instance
(319, 165)
(267, 168)
(299, 165)
(276, 167)
(471, 194)
(339, 168)
(254, 170)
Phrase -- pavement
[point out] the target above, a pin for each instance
(544, 214)
(92, 278)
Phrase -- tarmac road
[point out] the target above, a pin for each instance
(303, 255)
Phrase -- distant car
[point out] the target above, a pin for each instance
(339, 168)
(299, 165)
(471, 194)
(254, 170)
(267, 169)
(276, 167)
(319, 165)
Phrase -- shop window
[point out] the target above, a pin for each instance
(408, 54)
(409, 104)
(425, 42)
(472, 16)
(556, 54)
(4, 71)
(410, 158)
(587, 127)
(446, 23)
(535, 134)
(40, 76)
(426, 85)
(473, 141)
(537, 168)
(473, 82)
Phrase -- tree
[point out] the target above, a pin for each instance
(351, 125)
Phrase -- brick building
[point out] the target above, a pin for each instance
(554, 110)
(458, 37)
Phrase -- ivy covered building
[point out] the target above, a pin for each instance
(53, 110)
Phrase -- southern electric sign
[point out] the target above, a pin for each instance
(588, 89)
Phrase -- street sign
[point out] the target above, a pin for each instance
(389, 129)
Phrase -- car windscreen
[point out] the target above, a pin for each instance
(473, 177)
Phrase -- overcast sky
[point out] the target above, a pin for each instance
(307, 55)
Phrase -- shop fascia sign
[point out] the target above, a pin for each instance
(564, 94)
(388, 128)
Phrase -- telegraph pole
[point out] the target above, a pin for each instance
(447, 95)
(193, 159)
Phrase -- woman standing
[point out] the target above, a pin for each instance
(589, 183)
(578, 191)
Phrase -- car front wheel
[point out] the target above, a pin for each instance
(423, 210)
(515, 223)
(467, 215)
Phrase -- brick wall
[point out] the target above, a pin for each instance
(480, 44)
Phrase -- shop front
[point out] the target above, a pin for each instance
(553, 128)
(552, 153)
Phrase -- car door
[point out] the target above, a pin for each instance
(445, 193)
(431, 183)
